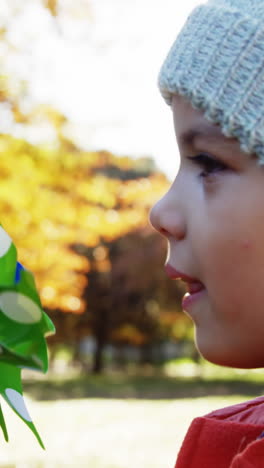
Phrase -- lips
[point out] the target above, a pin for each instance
(192, 283)
(195, 289)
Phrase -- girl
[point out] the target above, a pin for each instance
(213, 216)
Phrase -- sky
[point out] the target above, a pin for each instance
(100, 70)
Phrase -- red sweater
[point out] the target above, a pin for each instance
(231, 437)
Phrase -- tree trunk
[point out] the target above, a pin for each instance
(98, 363)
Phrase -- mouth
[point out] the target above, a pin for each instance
(195, 288)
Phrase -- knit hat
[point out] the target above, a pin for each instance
(217, 63)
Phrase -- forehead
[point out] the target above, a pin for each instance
(192, 128)
(191, 122)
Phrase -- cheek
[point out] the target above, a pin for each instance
(236, 275)
(231, 268)
(246, 245)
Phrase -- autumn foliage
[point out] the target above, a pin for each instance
(80, 223)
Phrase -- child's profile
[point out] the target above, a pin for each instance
(213, 216)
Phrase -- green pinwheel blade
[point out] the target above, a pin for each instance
(23, 328)
(11, 391)
(3, 424)
(8, 259)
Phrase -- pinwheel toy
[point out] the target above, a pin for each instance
(23, 328)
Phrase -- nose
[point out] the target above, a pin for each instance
(167, 217)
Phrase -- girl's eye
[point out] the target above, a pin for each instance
(209, 164)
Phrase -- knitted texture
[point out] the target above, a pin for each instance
(217, 63)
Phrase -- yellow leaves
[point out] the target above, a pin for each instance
(103, 266)
(48, 293)
(52, 6)
(181, 328)
(143, 191)
(51, 200)
(128, 333)
(114, 223)
(152, 307)
(112, 216)
(176, 323)
(3, 87)
(72, 304)
(98, 189)
(50, 230)
(79, 10)
(102, 263)
(100, 253)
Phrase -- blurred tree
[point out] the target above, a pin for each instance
(79, 221)
(129, 298)
(52, 6)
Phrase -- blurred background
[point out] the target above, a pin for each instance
(86, 147)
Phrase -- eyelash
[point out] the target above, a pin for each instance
(209, 164)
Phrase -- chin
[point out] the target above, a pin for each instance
(229, 358)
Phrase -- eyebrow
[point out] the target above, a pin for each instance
(212, 133)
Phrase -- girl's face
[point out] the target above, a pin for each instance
(213, 219)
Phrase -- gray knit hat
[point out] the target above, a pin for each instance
(217, 63)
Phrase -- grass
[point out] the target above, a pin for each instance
(183, 379)
(119, 420)
(103, 433)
